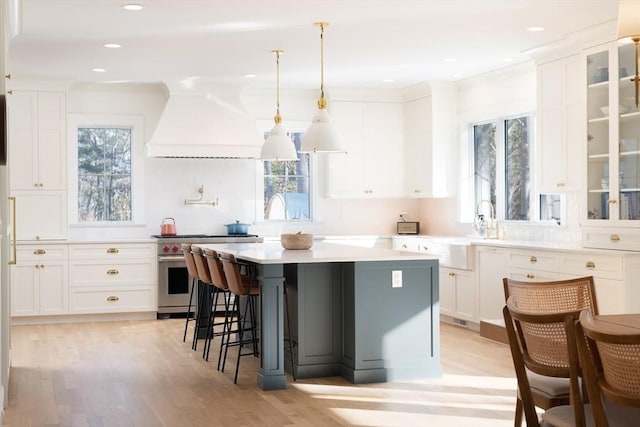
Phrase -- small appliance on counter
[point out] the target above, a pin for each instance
(407, 227)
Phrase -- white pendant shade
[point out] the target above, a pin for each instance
(278, 145)
(628, 19)
(322, 136)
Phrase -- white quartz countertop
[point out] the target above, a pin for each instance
(273, 253)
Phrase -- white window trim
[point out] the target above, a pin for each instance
(136, 123)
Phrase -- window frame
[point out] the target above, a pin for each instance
(133, 122)
(265, 126)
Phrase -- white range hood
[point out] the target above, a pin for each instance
(204, 121)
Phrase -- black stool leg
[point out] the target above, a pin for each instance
(188, 319)
(194, 345)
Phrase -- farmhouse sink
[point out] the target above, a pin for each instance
(452, 252)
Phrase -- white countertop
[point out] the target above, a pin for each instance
(273, 253)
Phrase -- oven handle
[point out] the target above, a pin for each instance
(170, 258)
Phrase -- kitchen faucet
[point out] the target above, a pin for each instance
(486, 229)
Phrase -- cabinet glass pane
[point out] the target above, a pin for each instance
(629, 131)
(598, 135)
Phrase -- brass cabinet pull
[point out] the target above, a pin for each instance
(425, 248)
(612, 201)
(404, 246)
(590, 264)
(416, 191)
(39, 252)
(112, 251)
(531, 276)
(112, 298)
(533, 259)
(615, 238)
(451, 273)
(113, 271)
(12, 261)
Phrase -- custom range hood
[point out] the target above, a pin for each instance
(204, 121)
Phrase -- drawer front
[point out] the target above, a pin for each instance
(112, 251)
(611, 238)
(534, 260)
(112, 273)
(84, 300)
(608, 267)
(41, 252)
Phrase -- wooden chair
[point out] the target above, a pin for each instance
(550, 297)
(610, 357)
(544, 343)
(193, 276)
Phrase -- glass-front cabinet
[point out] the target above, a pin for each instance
(613, 135)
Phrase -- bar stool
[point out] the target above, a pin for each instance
(193, 277)
(205, 277)
(220, 281)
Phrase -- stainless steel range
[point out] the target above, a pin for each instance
(173, 279)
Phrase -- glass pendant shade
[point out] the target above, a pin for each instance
(628, 19)
(278, 145)
(322, 136)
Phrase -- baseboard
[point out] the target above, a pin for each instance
(494, 329)
(81, 318)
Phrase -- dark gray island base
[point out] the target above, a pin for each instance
(349, 320)
(367, 314)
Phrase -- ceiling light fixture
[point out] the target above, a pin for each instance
(112, 45)
(132, 6)
(322, 136)
(278, 145)
(629, 27)
(99, 70)
(535, 29)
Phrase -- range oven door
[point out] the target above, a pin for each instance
(174, 285)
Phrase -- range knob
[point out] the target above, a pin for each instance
(165, 248)
(175, 248)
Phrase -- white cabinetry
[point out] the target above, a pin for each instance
(560, 124)
(374, 163)
(39, 280)
(37, 153)
(430, 143)
(107, 278)
(531, 265)
(457, 294)
(491, 264)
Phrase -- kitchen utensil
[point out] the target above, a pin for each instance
(298, 240)
(237, 229)
(168, 227)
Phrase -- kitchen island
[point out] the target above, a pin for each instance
(368, 314)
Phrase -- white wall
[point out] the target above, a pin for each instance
(168, 182)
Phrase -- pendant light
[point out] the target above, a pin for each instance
(278, 145)
(322, 136)
(629, 27)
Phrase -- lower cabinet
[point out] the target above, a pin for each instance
(457, 293)
(491, 264)
(108, 278)
(39, 280)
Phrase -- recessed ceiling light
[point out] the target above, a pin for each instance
(450, 59)
(508, 59)
(387, 81)
(249, 76)
(535, 29)
(99, 70)
(112, 45)
(132, 6)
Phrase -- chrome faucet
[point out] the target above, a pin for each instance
(489, 228)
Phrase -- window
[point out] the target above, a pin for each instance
(105, 169)
(104, 174)
(502, 166)
(287, 186)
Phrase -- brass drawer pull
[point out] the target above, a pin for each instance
(533, 259)
(404, 246)
(590, 264)
(531, 276)
(113, 272)
(112, 251)
(112, 298)
(452, 274)
(615, 238)
(612, 201)
(39, 252)
(425, 248)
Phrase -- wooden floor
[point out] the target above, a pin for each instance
(140, 373)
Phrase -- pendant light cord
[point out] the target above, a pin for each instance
(277, 118)
(322, 102)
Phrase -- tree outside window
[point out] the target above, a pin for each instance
(104, 174)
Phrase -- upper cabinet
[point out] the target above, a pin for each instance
(560, 124)
(374, 163)
(613, 137)
(430, 143)
(37, 123)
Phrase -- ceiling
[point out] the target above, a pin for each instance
(367, 41)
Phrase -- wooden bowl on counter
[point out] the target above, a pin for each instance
(296, 240)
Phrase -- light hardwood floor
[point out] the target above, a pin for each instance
(140, 373)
